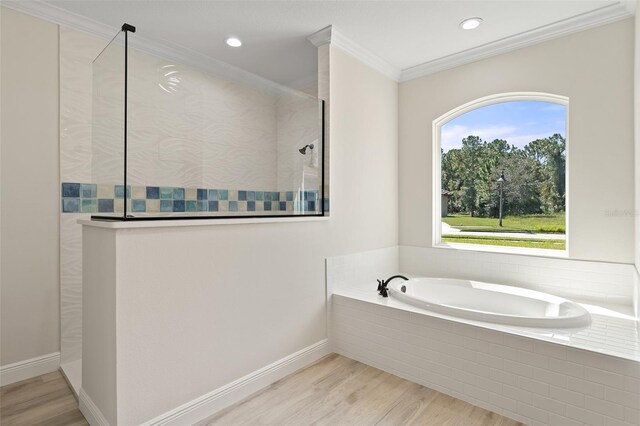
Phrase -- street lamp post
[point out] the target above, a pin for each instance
(501, 181)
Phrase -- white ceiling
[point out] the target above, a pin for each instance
(403, 33)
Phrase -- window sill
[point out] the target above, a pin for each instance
(520, 251)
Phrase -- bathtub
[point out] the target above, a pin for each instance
(490, 302)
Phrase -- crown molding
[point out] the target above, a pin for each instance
(331, 35)
(585, 21)
(321, 37)
(164, 49)
(604, 15)
(51, 13)
(630, 5)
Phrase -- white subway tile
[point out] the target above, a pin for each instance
(549, 377)
(550, 350)
(566, 367)
(517, 368)
(503, 351)
(585, 416)
(605, 407)
(632, 415)
(605, 377)
(608, 363)
(632, 385)
(628, 399)
(491, 336)
(533, 359)
(548, 404)
(566, 395)
(533, 386)
(503, 377)
(477, 393)
(610, 421)
(503, 402)
(533, 412)
(517, 394)
(556, 420)
(476, 345)
(489, 385)
(588, 388)
(518, 342)
(489, 360)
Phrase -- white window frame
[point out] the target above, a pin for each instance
(436, 189)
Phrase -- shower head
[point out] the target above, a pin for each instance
(303, 150)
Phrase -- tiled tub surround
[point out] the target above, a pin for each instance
(93, 198)
(539, 377)
(573, 279)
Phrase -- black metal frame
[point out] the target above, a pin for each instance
(126, 28)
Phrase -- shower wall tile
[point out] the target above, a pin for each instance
(70, 205)
(89, 190)
(76, 52)
(189, 126)
(172, 200)
(70, 288)
(153, 192)
(139, 192)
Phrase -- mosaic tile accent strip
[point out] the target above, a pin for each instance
(93, 198)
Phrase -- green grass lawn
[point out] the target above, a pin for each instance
(545, 224)
(506, 241)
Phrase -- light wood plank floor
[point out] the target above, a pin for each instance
(340, 391)
(334, 391)
(42, 400)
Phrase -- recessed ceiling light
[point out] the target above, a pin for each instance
(234, 42)
(471, 23)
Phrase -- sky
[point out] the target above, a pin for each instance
(517, 122)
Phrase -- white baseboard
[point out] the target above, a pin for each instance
(90, 411)
(214, 401)
(29, 368)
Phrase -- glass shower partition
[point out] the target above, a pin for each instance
(183, 141)
(108, 127)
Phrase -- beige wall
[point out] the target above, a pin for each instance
(637, 155)
(637, 123)
(594, 69)
(29, 203)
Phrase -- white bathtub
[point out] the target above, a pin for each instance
(490, 302)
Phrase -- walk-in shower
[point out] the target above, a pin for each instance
(171, 140)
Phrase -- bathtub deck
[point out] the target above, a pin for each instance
(339, 390)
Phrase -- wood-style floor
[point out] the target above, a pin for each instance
(334, 391)
(340, 391)
(42, 400)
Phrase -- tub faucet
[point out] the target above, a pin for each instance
(382, 285)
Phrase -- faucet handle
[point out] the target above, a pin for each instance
(379, 285)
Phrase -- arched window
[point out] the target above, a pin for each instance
(500, 174)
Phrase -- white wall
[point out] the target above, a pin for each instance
(29, 203)
(594, 69)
